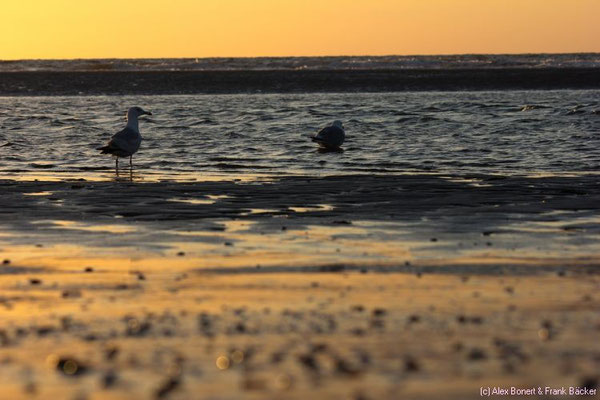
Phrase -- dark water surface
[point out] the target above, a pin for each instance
(505, 132)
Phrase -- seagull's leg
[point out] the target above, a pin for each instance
(130, 163)
(117, 165)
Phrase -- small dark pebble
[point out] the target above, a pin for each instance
(433, 240)
(90, 337)
(509, 289)
(547, 324)
(228, 244)
(463, 319)
(284, 228)
(487, 233)
(589, 382)
(88, 269)
(71, 367)
(240, 327)
(364, 357)
(342, 222)
(458, 346)
(109, 379)
(167, 387)
(35, 281)
(181, 253)
(20, 332)
(561, 273)
(318, 348)
(6, 261)
(4, 340)
(70, 293)
(411, 365)
(44, 330)
(358, 308)
(140, 275)
(111, 352)
(378, 312)
(345, 368)
(508, 350)
(358, 332)
(414, 319)
(309, 361)
(277, 357)
(139, 329)
(476, 354)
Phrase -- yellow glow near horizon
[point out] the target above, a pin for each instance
(249, 28)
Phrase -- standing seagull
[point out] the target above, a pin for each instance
(127, 141)
(332, 136)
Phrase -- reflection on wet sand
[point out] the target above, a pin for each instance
(336, 287)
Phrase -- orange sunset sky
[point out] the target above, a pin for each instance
(228, 28)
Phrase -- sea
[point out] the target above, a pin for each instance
(237, 135)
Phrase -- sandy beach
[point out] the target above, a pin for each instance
(340, 287)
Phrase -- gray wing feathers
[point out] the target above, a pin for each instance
(123, 143)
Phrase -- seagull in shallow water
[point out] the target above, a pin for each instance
(126, 142)
(332, 136)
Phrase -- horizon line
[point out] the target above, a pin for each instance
(299, 56)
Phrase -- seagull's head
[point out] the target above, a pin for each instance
(338, 124)
(135, 112)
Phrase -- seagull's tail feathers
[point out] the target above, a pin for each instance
(104, 149)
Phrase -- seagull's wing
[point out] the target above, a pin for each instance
(126, 141)
(331, 135)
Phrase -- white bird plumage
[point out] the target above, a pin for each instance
(126, 142)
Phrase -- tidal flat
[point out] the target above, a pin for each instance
(337, 287)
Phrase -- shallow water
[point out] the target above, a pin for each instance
(508, 132)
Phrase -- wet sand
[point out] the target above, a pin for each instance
(341, 287)
(292, 81)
